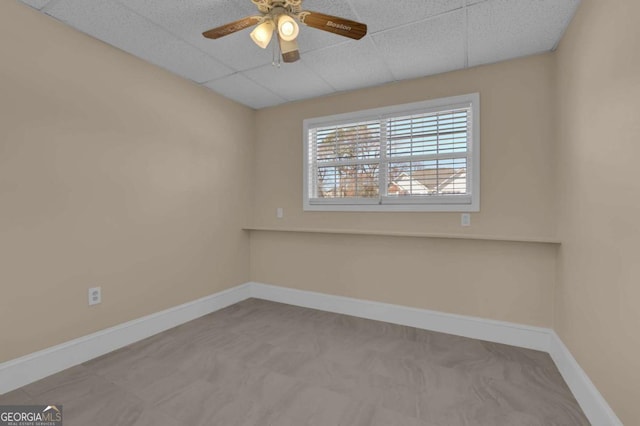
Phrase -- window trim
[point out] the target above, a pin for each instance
(440, 203)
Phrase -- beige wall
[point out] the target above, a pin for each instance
(517, 138)
(499, 280)
(599, 198)
(489, 279)
(112, 173)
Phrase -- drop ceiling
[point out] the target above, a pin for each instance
(406, 39)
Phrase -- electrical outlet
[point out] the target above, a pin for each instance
(279, 212)
(465, 219)
(95, 296)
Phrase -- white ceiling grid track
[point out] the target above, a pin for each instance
(406, 39)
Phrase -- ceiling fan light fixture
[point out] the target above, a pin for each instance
(287, 28)
(281, 17)
(262, 34)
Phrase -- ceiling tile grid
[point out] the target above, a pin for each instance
(504, 29)
(115, 24)
(425, 48)
(380, 16)
(187, 20)
(38, 4)
(246, 91)
(406, 39)
(351, 65)
(292, 82)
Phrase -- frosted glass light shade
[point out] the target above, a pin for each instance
(262, 34)
(287, 28)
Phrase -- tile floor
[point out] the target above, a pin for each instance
(264, 363)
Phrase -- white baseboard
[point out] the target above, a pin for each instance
(591, 401)
(27, 369)
(35, 366)
(477, 328)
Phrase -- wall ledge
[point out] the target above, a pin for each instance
(515, 239)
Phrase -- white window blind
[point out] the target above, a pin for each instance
(422, 156)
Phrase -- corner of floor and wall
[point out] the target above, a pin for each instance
(115, 173)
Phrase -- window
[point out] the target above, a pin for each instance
(422, 156)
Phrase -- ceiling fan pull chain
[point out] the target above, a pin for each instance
(276, 60)
(273, 55)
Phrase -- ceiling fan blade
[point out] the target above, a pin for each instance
(232, 27)
(333, 24)
(289, 49)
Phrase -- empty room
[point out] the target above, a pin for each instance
(315, 212)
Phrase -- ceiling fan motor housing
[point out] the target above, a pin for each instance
(292, 7)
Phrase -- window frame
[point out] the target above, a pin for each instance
(434, 203)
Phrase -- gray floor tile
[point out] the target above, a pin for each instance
(260, 363)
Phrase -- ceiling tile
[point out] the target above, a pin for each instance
(341, 8)
(199, 14)
(351, 65)
(111, 22)
(313, 39)
(189, 19)
(384, 15)
(291, 81)
(185, 60)
(38, 4)
(504, 29)
(406, 39)
(247, 92)
(424, 48)
(237, 50)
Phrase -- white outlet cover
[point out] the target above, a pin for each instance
(465, 219)
(95, 295)
(279, 213)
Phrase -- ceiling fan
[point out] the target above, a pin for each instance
(279, 17)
